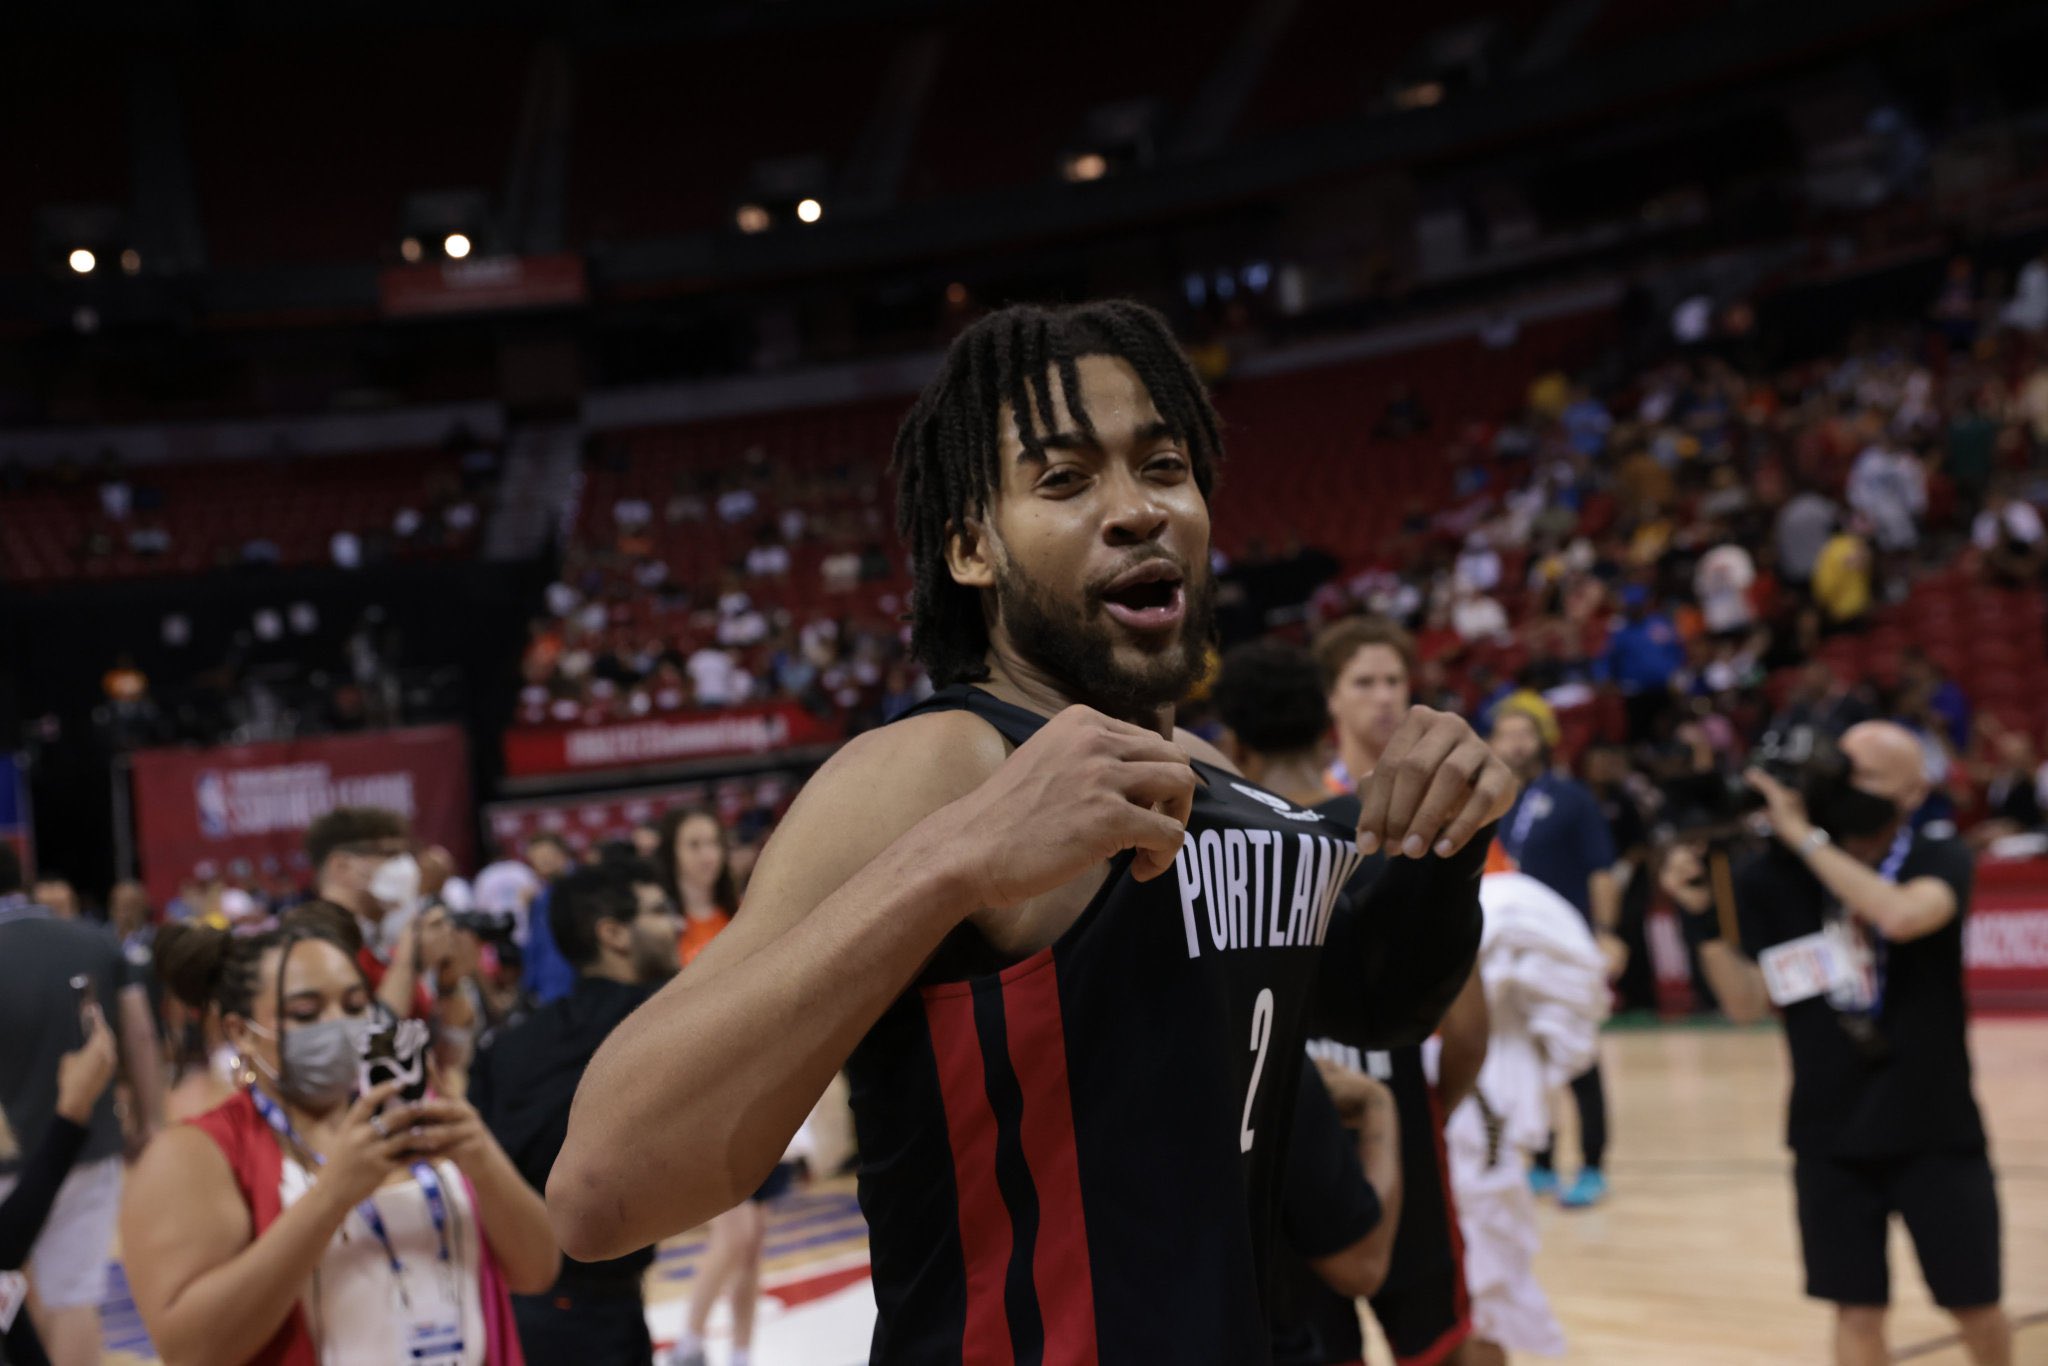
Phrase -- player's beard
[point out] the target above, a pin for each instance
(1076, 645)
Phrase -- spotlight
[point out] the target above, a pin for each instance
(410, 249)
(752, 218)
(456, 245)
(131, 262)
(83, 261)
(1087, 166)
(810, 211)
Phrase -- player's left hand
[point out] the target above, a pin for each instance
(1436, 785)
(1787, 809)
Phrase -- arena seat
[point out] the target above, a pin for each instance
(211, 510)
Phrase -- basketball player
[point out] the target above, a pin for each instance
(1063, 950)
(1367, 662)
(1364, 664)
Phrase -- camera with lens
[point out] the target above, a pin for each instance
(1720, 807)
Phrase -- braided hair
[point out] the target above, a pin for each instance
(946, 462)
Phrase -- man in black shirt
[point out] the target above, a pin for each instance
(1882, 1118)
(618, 929)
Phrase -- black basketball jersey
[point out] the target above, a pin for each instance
(1073, 1158)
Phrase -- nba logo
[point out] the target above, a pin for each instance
(211, 790)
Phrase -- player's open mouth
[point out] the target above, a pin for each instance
(1147, 598)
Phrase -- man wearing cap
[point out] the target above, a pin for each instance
(1556, 834)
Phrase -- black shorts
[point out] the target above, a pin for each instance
(1950, 1206)
(1424, 1319)
(1423, 1308)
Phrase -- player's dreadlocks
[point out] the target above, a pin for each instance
(945, 461)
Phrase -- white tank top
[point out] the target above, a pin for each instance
(361, 1314)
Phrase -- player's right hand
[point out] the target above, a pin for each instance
(1436, 785)
(1072, 797)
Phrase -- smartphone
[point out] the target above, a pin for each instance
(395, 1050)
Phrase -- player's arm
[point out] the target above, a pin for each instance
(1396, 960)
(905, 833)
(1464, 1032)
(1360, 1268)
(1431, 803)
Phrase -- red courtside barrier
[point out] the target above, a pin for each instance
(2005, 940)
(682, 737)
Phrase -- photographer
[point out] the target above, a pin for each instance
(1853, 926)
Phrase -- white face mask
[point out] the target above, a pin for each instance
(396, 883)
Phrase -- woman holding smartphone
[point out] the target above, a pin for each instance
(297, 1224)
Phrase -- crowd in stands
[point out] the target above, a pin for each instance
(1688, 541)
(804, 608)
(106, 517)
(1676, 560)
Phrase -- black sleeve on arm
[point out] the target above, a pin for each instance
(1401, 947)
(1952, 862)
(26, 1207)
(1326, 1204)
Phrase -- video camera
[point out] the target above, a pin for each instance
(1720, 807)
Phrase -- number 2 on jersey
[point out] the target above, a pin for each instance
(1262, 1034)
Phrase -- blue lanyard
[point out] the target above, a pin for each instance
(1525, 819)
(1880, 947)
(429, 1182)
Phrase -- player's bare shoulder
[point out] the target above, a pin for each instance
(1195, 747)
(885, 781)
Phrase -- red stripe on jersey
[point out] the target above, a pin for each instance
(971, 1130)
(1059, 1263)
(1443, 1177)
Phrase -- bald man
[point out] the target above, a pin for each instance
(1856, 935)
